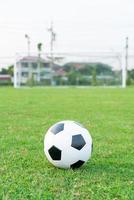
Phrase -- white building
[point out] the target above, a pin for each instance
(32, 68)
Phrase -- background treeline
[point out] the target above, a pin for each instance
(88, 74)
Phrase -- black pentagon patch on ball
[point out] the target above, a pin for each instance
(78, 142)
(77, 164)
(57, 128)
(55, 153)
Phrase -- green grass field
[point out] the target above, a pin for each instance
(25, 116)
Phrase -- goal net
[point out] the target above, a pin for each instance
(63, 69)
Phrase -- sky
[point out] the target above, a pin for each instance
(80, 25)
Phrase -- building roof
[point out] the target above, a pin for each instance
(33, 59)
(5, 77)
(60, 72)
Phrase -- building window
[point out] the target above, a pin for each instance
(24, 74)
(34, 65)
(24, 65)
(46, 65)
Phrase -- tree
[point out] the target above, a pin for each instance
(39, 47)
(4, 71)
(31, 82)
(130, 78)
(10, 70)
(94, 82)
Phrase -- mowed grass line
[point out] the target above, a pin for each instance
(25, 116)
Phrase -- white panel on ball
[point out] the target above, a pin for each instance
(67, 144)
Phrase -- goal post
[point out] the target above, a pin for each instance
(79, 69)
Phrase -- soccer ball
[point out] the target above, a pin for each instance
(67, 144)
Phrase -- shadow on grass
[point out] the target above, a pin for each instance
(116, 169)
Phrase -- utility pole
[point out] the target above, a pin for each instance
(125, 66)
(28, 43)
(53, 38)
